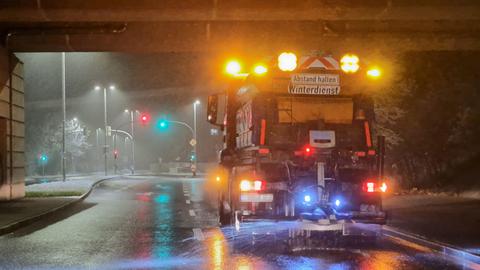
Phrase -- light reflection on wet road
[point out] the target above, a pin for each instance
(146, 223)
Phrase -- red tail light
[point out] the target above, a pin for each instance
(258, 185)
(248, 185)
(369, 186)
(372, 186)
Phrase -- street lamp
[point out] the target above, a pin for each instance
(98, 88)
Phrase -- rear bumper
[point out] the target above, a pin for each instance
(379, 217)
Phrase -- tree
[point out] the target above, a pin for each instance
(45, 136)
(431, 114)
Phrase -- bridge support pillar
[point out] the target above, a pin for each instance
(12, 127)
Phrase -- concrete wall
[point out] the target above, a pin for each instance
(12, 185)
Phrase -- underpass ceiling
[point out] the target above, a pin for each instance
(221, 26)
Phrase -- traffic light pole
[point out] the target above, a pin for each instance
(115, 153)
(194, 171)
(132, 112)
(105, 122)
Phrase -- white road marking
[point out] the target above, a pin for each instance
(198, 234)
(186, 194)
(187, 201)
(191, 212)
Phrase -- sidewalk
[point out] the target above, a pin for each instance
(15, 214)
(447, 219)
(31, 180)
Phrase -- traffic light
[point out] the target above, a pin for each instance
(43, 158)
(144, 118)
(162, 124)
(115, 153)
(192, 157)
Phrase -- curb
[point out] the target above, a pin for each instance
(169, 175)
(445, 249)
(27, 221)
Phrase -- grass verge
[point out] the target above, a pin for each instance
(41, 194)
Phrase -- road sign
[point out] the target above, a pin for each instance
(314, 84)
(109, 130)
(193, 142)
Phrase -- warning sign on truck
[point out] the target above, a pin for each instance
(314, 84)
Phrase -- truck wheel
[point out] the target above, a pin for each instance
(225, 218)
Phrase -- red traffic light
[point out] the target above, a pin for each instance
(145, 118)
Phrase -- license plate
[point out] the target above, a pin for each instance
(368, 208)
(256, 197)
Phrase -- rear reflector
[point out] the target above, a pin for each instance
(263, 151)
(360, 154)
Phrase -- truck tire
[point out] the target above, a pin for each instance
(225, 218)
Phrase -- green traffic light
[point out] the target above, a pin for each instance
(162, 124)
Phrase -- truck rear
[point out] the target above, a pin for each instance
(298, 144)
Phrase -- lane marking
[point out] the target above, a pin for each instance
(198, 234)
(187, 201)
(191, 212)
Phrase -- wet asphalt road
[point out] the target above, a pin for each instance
(167, 223)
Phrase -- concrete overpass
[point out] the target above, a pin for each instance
(219, 27)
(243, 25)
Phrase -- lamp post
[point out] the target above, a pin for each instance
(64, 114)
(98, 88)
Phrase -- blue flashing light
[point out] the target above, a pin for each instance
(338, 203)
(307, 198)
